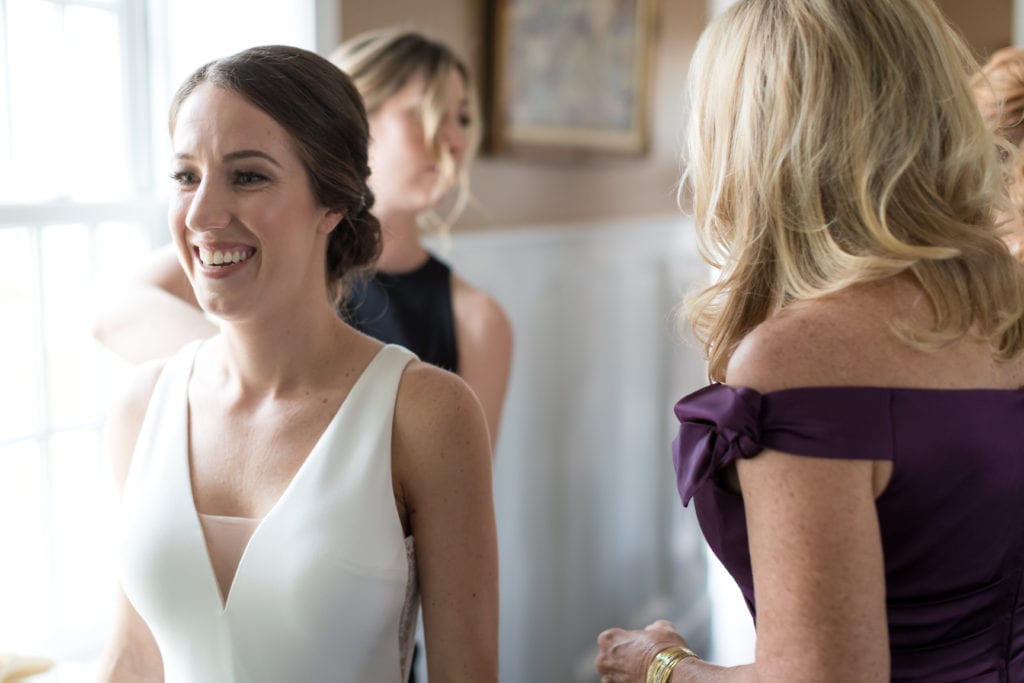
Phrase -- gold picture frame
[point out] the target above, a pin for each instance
(570, 75)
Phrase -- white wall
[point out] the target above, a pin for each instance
(591, 531)
(716, 7)
(1018, 23)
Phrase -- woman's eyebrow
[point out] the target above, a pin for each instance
(235, 156)
(249, 153)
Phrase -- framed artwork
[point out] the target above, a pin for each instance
(570, 75)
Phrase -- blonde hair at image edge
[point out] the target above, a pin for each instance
(381, 63)
(834, 142)
(999, 89)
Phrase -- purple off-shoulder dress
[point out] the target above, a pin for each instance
(952, 517)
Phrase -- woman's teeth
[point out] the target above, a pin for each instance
(224, 258)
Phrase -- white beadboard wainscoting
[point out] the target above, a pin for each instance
(591, 530)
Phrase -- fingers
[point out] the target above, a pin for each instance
(661, 625)
(663, 634)
(607, 663)
(603, 662)
(608, 637)
(610, 669)
(624, 656)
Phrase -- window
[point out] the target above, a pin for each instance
(84, 86)
(75, 211)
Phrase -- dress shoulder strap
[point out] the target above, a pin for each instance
(720, 424)
(168, 401)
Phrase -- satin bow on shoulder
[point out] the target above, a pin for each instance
(717, 425)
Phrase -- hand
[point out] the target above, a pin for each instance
(625, 655)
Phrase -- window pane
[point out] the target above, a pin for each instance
(83, 572)
(119, 248)
(97, 166)
(34, 34)
(69, 309)
(19, 342)
(5, 122)
(193, 43)
(67, 114)
(23, 571)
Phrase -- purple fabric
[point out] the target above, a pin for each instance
(952, 517)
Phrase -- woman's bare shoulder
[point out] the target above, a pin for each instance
(437, 415)
(478, 314)
(844, 339)
(434, 400)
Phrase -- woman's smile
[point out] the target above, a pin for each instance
(219, 260)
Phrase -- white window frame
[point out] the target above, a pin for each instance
(143, 206)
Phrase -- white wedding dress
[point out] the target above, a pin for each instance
(325, 589)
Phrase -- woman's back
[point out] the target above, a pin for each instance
(869, 321)
(943, 429)
(851, 338)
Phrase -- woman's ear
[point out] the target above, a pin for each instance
(331, 219)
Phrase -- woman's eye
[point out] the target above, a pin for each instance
(184, 177)
(465, 120)
(249, 178)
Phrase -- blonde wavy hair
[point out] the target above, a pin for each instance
(999, 89)
(381, 63)
(834, 142)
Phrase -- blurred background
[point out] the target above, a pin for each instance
(584, 247)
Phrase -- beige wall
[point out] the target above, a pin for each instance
(987, 24)
(517, 192)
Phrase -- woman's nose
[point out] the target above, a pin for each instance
(209, 208)
(455, 137)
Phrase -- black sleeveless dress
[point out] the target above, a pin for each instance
(411, 309)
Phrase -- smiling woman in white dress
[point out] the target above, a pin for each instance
(292, 487)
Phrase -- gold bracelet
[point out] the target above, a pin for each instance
(665, 662)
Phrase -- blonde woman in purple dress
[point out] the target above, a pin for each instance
(858, 465)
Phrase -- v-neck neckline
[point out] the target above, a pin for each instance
(224, 601)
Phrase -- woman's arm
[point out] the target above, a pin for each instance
(819, 574)
(131, 654)
(484, 337)
(155, 314)
(816, 556)
(443, 482)
(812, 525)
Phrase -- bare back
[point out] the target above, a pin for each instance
(850, 339)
